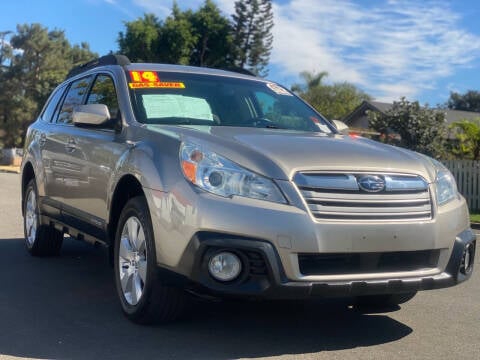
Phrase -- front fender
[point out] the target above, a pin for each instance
(155, 167)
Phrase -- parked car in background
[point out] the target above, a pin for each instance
(225, 184)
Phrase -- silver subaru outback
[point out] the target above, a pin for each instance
(218, 183)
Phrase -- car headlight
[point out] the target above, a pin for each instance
(216, 174)
(446, 187)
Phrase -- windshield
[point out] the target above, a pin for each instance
(193, 99)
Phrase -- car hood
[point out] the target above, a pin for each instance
(281, 153)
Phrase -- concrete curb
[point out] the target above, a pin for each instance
(10, 169)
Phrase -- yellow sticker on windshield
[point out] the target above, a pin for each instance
(144, 76)
(157, 85)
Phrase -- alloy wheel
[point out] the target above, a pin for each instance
(132, 260)
(31, 219)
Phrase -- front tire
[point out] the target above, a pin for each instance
(40, 240)
(143, 297)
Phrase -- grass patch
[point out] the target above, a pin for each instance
(475, 217)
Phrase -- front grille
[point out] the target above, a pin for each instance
(338, 196)
(362, 263)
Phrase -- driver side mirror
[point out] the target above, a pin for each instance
(340, 126)
(91, 114)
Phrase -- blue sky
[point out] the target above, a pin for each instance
(391, 48)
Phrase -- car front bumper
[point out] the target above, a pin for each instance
(189, 224)
(270, 281)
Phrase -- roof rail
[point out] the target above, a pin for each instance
(104, 60)
(238, 70)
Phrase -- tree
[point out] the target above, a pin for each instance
(214, 42)
(177, 38)
(252, 24)
(201, 38)
(333, 101)
(412, 126)
(204, 37)
(40, 62)
(312, 81)
(467, 134)
(140, 40)
(80, 54)
(470, 101)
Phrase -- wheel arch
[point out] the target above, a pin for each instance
(126, 188)
(28, 174)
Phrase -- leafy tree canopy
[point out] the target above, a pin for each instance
(470, 101)
(201, 38)
(214, 46)
(34, 61)
(140, 40)
(204, 37)
(334, 101)
(467, 133)
(415, 127)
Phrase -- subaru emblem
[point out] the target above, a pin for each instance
(371, 183)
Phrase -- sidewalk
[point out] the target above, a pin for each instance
(10, 169)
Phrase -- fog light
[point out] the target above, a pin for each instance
(467, 263)
(225, 266)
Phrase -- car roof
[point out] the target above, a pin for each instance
(124, 62)
(188, 70)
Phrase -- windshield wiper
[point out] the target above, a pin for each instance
(270, 126)
(265, 123)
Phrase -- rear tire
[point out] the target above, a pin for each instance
(385, 300)
(143, 297)
(40, 240)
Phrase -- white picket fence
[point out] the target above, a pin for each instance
(467, 173)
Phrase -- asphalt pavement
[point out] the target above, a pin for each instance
(66, 308)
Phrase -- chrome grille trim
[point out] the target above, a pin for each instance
(337, 196)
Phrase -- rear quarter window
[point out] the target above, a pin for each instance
(52, 104)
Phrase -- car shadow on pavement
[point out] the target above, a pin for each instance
(66, 307)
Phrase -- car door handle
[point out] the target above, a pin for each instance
(71, 145)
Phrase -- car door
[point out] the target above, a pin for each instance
(94, 152)
(49, 182)
(61, 169)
